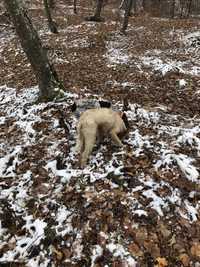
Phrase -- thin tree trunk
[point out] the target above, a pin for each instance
(189, 7)
(99, 6)
(122, 4)
(127, 13)
(134, 6)
(75, 6)
(144, 5)
(173, 5)
(51, 3)
(182, 9)
(97, 14)
(45, 74)
(51, 23)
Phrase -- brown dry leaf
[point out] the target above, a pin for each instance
(195, 250)
(164, 231)
(184, 258)
(59, 254)
(161, 262)
(141, 235)
(67, 253)
(89, 195)
(152, 248)
(135, 250)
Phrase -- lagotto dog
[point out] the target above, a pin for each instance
(95, 124)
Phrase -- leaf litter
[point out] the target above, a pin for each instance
(136, 206)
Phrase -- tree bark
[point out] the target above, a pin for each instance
(121, 6)
(127, 13)
(173, 5)
(51, 23)
(97, 14)
(75, 6)
(51, 3)
(189, 8)
(134, 6)
(144, 5)
(45, 74)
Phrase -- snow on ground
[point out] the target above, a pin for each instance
(40, 177)
(52, 210)
(118, 52)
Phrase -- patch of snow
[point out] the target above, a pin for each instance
(9, 162)
(192, 39)
(169, 65)
(64, 219)
(119, 251)
(116, 52)
(157, 202)
(182, 83)
(96, 252)
(141, 213)
(185, 164)
(35, 230)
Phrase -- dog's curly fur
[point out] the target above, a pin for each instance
(95, 123)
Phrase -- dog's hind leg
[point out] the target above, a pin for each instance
(79, 140)
(89, 142)
(115, 138)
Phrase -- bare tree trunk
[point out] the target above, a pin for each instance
(46, 76)
(135, 6)
(75, 7)
(189, 7)
(144, 5)
(51, 23)
(181, 8)
(97, 14)
(172, 11)
(122, 4)
(127, 13)
(51, 3)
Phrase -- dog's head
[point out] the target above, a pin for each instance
(104, 104)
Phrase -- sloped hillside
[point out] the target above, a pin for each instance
(135, 206)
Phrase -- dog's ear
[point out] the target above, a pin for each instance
(73, 107)
(104, 104)
(125, 119)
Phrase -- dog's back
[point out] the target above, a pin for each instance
(103, 117)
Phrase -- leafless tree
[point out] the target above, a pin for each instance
(46, 75)
(75, 6)
(51, 23)
(51, 3)
(97, 14)
(129, 4)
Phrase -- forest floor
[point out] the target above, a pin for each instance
(136, 206)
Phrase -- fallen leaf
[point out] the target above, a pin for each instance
(195, 250)
(161, 262)
(59, 254)
(164, 231)
(184, 258)
(135, 250)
